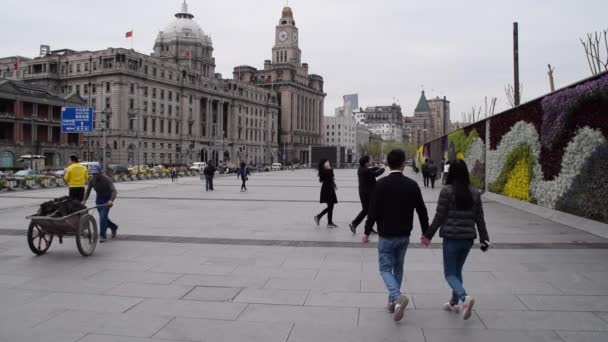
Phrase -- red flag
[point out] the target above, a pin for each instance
(17, 64)
(188, 53)
(129, 34)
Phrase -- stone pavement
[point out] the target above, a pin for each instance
(229, 266)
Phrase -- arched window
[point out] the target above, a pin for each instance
(7, 159)
(115, 145)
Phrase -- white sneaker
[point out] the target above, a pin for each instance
(451, 308)
(467, 307)
(400, 306)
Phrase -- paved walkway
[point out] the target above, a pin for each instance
(229, 266)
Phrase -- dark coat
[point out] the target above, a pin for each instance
(243, 172)
(425, 169)
(432, 170)
(458, 224)
(367, 180)
(328, 187)
(209, 171)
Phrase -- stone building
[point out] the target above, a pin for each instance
(300, 94)
(385, 121)
(169, 107)
(431, 120)
(30, 123)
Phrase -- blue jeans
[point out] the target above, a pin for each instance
(455, 254)
(391, 255)
(104, 219)
(208, 183)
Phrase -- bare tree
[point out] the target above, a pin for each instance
(510, 93)
(593, 51)
(550, 73)
(476, 113)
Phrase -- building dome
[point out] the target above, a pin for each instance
(183, 28)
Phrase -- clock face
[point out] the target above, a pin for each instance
(283, 35)
(295, 37)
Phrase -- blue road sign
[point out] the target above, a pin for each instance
(77, 120)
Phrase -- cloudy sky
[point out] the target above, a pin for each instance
(380, 49)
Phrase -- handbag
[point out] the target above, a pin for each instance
(245, 178)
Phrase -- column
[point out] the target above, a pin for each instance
(209, 116)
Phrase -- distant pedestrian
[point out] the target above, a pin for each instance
(392, 208)
(459, 210)
(441, 166)
(76, 176)
(367, 182)
(106, 195)
(425, 173)
(328, 192)
(243, 173)
(209, 173)
(446, 169)
(173, 174)
(432, 173)
(414, 168)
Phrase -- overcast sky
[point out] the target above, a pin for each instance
(380, 49)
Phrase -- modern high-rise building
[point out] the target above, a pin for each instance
(300, 94)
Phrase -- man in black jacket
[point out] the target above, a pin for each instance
(367, 183)
(209, 173)
(392, 207)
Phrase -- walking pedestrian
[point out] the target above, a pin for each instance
(432, 173)
(209, 173)
(425, 173)
(328, 192)
(459, 210)
(392, 208)
(76, 176)
(243, 173)
(106, 195)
(446, 169)
(367, 182)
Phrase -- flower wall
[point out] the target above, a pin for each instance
(552, 151)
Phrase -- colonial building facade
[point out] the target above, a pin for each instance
(431, 120)
(30, 124)
(172, 108)
(385, 121)
(300, 94)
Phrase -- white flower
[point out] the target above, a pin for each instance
(580, 148)
(475, 152)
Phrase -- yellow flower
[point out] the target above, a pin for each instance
(518, 181)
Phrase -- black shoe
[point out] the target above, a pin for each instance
(317, 219)
(353, 228)
(113, 232)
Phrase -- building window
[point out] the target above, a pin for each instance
(169, 124)
(132, 89)
(162, 94)
(153, 93)
(131, 104)
(170, 108)
(162, 126)
(170, 95)
(154, 72)
(107, 87)
(153, 127)
(71, 68)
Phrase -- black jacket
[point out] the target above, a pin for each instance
(328, 187)
(209, 171)
(392, 207)
(367, 179)
(458, 224)
(432, 170)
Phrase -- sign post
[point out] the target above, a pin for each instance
(76, 120)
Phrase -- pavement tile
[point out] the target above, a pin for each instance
(315, 333)
(321, 283)
(275, 272)
(86, 302)
(190, 329)
(16, 297)
(471, 335)
(347, 299)
(46, 336)
(189, 308)
(272, 296)
(7, 280)
(18, 319)
(212, 294)
(69, 284)
(542, 320)
(565, 303)
(380, 318)
(150, 290)
(226, 281)
(583, 336)
(337, 317)
(129, 324)
(149, 277)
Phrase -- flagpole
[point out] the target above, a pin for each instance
(132, 38)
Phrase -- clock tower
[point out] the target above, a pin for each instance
(286, 48)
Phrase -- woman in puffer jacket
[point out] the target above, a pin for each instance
(459, 210)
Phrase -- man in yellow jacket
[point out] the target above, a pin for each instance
(76, 176)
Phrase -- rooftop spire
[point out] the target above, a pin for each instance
(184, 7)
(184, 13)
(423, 105)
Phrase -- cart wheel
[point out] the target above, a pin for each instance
(86, 237)
(38, 240)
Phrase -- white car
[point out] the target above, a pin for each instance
(198, 166)
(277, 166)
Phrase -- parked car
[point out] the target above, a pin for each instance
(198, 166)
(277, 166)
(140, 168)
(24, 173)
